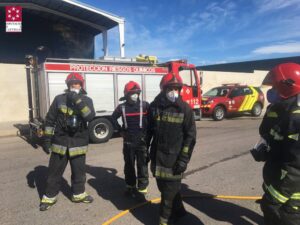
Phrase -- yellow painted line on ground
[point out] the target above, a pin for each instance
(157, 200)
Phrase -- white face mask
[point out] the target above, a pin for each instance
(134, 97)
(172, 95)
(75, 90)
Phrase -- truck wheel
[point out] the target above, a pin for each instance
(218, 113)
(100, 130)
(257, 109)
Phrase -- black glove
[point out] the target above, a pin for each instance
(260, 154)
(179, 167)
(47, 145)
(72, 96)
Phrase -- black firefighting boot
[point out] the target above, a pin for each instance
(46, 203)
(84, 197)
(142, 194)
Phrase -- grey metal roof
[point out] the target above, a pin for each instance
(72, 10)
(249, 66)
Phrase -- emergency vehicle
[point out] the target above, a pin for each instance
(104, 82)
(232, 98)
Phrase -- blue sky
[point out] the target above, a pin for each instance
(205, 31)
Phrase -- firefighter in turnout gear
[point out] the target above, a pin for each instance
(280, 147)
(67, 138)
(134, 113)
(172, 132)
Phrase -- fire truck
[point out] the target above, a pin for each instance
(104, 82)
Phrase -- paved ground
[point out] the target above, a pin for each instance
(221, 164)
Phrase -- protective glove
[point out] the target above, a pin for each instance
(47, 146)
(179, 167)
(260, 151)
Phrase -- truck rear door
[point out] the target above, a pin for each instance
(191, 91)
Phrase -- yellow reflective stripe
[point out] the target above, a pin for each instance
(294, 137)
(283, 174)
(295, 207)
(78, 150)
(85, 111)
(249, 100)
(244, 103)
(78, 101)
(143, 190)
(162, 172)
(45, 199)
(253, 97)
(79, 197)
(276, 136)
(296, 196)
(64, 109)
(272, 114)
(49, 131)
(296, 111)
(281, 198)
(59, 149)
(172, 119)
(185, 150)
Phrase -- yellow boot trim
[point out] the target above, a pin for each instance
(144, 191)
(76, 198)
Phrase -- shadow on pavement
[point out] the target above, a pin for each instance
(221, 211)
(111, 187)
(37, 179)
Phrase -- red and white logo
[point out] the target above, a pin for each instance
(13, 19)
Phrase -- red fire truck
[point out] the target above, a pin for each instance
(104, 83)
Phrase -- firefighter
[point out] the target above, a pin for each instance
(134, 116)
(67, 138)
(172, 132)
(279, 147)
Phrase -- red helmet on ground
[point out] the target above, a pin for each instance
(285, 78)
(132, 87)
(74, 77)
(171, 80)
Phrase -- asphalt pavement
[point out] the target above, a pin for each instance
(221, 165)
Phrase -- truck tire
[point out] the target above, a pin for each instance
(256, 110)
(219, 113)
(100, 130)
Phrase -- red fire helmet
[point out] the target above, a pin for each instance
(171, 80)
(285, 78)
(132, 87)
(74, 77)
